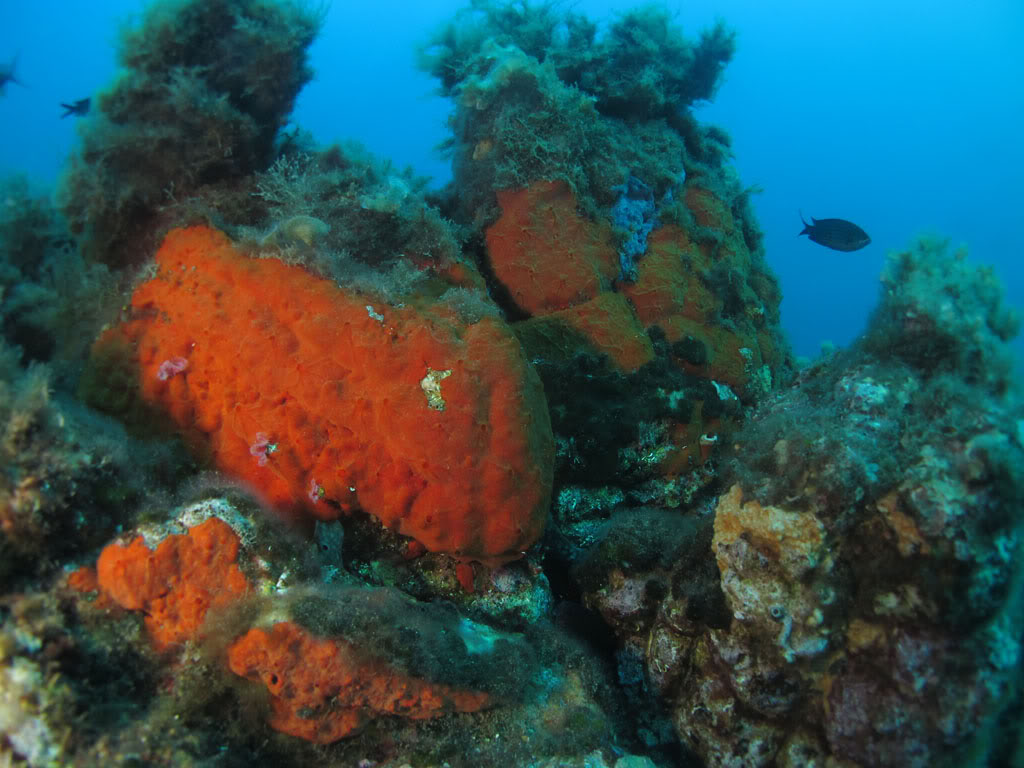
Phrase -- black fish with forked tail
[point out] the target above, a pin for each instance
(78, 108)
(837, 234)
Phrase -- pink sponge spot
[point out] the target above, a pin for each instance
(172, 367)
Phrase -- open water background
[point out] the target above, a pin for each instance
(904, 116)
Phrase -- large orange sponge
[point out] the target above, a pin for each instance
(326, 401)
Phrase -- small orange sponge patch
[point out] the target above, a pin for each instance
(178, 583)
(559, 266)
(547, 255)
(326, 401)
(320, 692)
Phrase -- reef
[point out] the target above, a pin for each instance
(306, 462)
(863, 603)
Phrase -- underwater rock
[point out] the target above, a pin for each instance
(578, 337)
(332, 657)
(70, 475)
(557, 176)
(350, 216)
(649, 575)
(36, 700)
(206, 88)
(870, 555)
(945, 315)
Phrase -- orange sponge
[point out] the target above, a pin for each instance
(178, 583)
(321, 692)
(605, 324)
(324, 400)
(546, 254)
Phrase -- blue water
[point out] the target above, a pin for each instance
(901, 116)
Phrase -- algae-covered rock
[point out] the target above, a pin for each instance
(205, 89)
(741, 565)
(869, 552)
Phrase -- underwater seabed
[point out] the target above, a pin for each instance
(307, 463)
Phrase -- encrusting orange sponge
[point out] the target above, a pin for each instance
(176, 584)
(558, 267)
(548, 256)
(326, 401)
(321, 692)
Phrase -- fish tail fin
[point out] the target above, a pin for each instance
(807, 227)
(11, 69)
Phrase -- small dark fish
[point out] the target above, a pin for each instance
(837, 234)
(78, 108)
(7, 74)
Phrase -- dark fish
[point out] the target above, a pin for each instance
(7, 74)
(78, 108)
(837, 234)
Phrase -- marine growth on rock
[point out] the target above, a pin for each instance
(306, 462)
